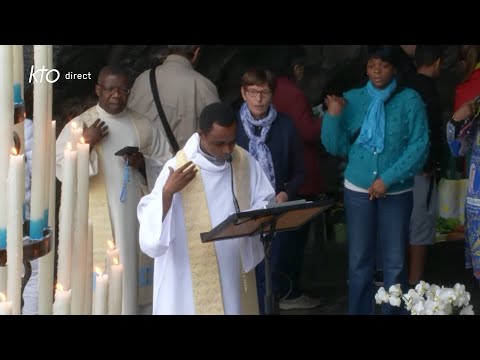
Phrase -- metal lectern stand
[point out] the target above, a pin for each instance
(267, 222)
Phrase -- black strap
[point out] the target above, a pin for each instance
(161, 113)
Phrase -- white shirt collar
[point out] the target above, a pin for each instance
(204, 161)
(103, 113)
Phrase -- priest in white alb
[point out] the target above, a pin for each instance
(115, 186)
(193, 194)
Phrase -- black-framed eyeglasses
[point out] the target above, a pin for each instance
(124, 91)
(253, 93)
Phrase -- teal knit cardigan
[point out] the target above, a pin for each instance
(406, 140)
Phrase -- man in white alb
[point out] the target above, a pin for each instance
(192, 195)
(116, 189)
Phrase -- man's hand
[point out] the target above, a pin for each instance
(281, 197)
(179, 178)
(176, 181)
(95, 133)
(377, 190)
(136, 160)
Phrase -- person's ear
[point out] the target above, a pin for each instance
(244, 93)
(97, 90)
(196, 53)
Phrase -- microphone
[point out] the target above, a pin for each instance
(235, 202)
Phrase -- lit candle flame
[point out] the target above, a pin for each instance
(59, 287)
(98, 270)
(82, 140)
(74, 125)
(115, 261)
(14, 151)
(69, 146)
(111, 244)
(3, 298)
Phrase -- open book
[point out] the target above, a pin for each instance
(286, 216)
(287, 203)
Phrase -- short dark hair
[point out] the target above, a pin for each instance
(470, 54)
(388, 53)
(114, 70)
(185, 50)
(258, 75)
(220, 113)
(426, 55)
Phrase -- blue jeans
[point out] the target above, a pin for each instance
(383, 220)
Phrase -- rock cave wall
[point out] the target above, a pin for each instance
(328, 68)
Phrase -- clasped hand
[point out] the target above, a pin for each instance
(135, 160)
(377, 190)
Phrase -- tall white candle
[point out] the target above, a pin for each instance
(40, 113)
(80, 238)
(115, 289)
(18, 72)
(3, 279)
(61, 306)
(112, 253)
(65, 229)
(50, 85)
(5, 306)
(46, 183)
(77, 133)
(6, 131)
(46, 265)
(48, 134)
(15, 198)
(89, 278)
(101, 293)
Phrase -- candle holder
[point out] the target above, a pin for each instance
(32, 250)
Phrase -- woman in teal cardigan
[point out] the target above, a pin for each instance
(382, 130)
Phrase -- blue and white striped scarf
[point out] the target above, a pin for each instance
(257, 146)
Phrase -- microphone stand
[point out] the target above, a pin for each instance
(235, 202)
(266, 237)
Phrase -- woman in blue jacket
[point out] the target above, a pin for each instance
(382, 129)
(272, 139)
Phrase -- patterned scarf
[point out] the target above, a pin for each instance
(257, 147)
(372, 135)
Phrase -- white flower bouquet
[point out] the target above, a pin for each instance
(428, 299)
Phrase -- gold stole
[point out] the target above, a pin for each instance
(99, 213)
(207, 290)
